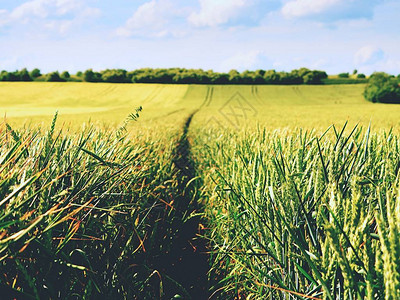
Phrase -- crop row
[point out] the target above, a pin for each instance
(301, 216)
(87, 215)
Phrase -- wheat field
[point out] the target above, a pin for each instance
(146, 191)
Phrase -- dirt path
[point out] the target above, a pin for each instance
(187, 261)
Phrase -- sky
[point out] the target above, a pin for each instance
(331, 35)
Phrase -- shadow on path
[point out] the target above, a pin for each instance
(186, 262)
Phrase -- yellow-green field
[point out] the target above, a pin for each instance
(217, 192)
(228, 106)
(79, 102)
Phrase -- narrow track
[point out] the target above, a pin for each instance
(209, 96)
(255, 94)
(187, 261)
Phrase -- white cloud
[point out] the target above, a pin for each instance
(157, 18)
(149, 14)
(244, 60)
(3, 17)
(56, 15)
(391, 66)
(217, 12)
(301, 8)
(36, 8)
(67, 6)
(330, 10)
(151, 19)
(45, 8)
(61, 26)
(368, 55)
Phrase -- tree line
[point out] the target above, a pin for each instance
(173, 75)
(381, 87)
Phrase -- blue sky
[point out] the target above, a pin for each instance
(332, 35)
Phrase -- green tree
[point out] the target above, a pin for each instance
(65, 75)
(115, 75)
(24, 75)
(234, 76)
(220, 78)
(259, 76)
(298, 75)
(382, 88)
(54, 77)
(3, 75)
(12, 76)
(247, 77)
(272, 77)
(91, 76)
(35, 73)
(289, 78)
(314, 77)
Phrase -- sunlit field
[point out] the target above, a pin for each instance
(299, 106)
(228, 191)
(77, 103)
